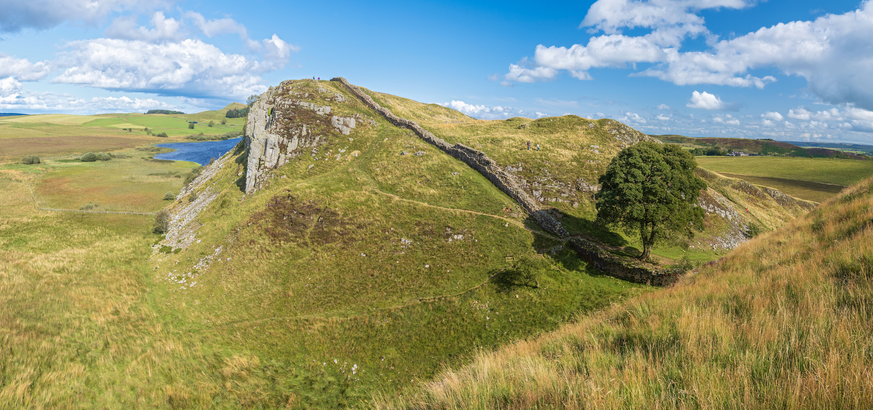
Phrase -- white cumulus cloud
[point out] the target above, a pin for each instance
(480, 111)
(22, 69)
(772, 116)
(189, 67)
(706, 101)
(831, 52)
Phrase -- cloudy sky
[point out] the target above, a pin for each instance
(788, 70)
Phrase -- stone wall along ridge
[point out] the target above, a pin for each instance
(474, 158)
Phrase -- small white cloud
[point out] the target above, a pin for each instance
(632, 117)
(556, 103)
(772, 116)
(663, 107)
(541, 114)
(520, 73)
(663, 117)
(799, 114)
(727, 120)
(706, 101)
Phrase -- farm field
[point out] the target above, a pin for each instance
(813, 179)
(62, 134)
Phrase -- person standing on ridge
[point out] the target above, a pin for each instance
(528, 145)
(538, 147)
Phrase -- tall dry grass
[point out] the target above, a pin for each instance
(782, 322)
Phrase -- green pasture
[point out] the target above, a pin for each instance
(173, 125)
(840, 172)
(131, 182)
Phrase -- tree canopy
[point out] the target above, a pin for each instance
(651, 189)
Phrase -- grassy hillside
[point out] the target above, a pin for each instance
(782, 322)
(351, 271)
(574, 152)
(354, 269)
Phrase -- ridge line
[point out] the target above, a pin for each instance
(473, 158)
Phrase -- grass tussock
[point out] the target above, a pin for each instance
(782, 322)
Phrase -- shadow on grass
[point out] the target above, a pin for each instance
(588, 227)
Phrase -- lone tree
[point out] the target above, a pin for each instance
(651, 189)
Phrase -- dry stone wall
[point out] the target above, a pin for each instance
(474, 158)
(623, 268)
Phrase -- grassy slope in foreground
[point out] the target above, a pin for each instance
(782, 322)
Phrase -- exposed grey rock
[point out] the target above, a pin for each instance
(343, 124)
(419, 153)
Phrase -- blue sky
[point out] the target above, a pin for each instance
(788, 70)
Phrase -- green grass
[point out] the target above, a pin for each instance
(781, 322)
(821, 170)
(810, 191)
(130, 183)
(95, 319)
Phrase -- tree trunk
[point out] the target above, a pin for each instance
(648, 239)
(647, 252)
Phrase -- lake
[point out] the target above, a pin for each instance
(199, 152)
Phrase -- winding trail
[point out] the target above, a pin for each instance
(425, 204)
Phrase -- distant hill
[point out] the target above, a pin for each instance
(757, 146)
(856, 148)
(166, 112)
(216, 115)
(9, 114)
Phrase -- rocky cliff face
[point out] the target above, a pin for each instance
(285, 123)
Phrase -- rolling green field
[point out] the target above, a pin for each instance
(815, 179)
(64, 134)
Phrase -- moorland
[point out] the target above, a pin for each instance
(372, 263)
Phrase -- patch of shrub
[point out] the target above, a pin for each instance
(30, 159)
(162, 222)
(169, 196)
(164, 112)
(103, 156)
(89, 206)
(211, 123)
(240, 113)
(162, 135)
(193, 174)
(89, 157)
(190, 125)
(752, 230)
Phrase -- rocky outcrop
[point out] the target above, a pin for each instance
(281, 125)
(473, 158)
